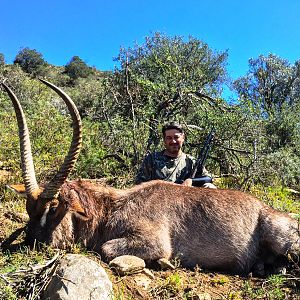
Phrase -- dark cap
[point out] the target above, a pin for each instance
(172, 125)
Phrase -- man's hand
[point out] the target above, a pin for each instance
(188, 182)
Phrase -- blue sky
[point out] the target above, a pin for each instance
(95, 30)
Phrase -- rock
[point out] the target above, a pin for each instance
(204, 296)
(148, 273)
(165, 264)
(127, 264)
(78, 278)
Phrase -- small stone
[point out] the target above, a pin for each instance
(148, 273)
(165, 264)
(127, 264)
(204, 296)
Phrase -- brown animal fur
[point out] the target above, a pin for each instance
(216, 229)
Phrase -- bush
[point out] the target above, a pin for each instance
(77, 68)
(31, 61)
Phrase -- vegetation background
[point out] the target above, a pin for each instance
(256, 145)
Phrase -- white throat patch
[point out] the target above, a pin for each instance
(44, 217)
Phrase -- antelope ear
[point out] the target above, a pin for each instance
(79, 211)
(18, 189)
(21, 191)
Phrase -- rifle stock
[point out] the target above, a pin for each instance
(200, 181)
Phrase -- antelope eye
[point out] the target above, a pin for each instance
(52, 210)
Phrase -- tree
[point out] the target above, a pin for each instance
(166, 78)
(271, 90)
(31, 61)
(164, 67)
(271, 86)
(269, 94)
(77, 68)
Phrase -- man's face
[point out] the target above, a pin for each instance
(173, 140)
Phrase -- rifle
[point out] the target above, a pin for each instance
(200, 180)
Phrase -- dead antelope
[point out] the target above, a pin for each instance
(223, 230)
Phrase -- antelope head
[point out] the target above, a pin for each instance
(45, 202)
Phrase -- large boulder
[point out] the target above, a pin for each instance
(78, 278)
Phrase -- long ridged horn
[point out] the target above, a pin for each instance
(53, 187)
(29, 178)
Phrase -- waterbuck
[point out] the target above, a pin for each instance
(217, 229)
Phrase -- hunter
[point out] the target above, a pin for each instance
(171, 164)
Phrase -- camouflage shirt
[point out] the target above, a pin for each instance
(157, 165)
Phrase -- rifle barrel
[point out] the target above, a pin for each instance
(203, 153)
